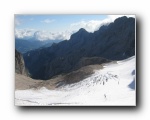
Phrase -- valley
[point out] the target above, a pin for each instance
(88, 69)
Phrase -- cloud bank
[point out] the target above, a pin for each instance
(46, 35)
(90, 26)
(94, 25)
(42, 35)
(24, 33)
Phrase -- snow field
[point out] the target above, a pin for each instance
(107, 86)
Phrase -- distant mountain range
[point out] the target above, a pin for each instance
(115, 41)
(23, 45)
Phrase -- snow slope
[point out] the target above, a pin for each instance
(113, 85)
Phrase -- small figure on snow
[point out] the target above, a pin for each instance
(105, 97)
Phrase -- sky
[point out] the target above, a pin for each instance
(57, 27)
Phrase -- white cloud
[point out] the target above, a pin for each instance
(47, 21)
(24, 33)
(90, 26)
(46, 35)
(42, 35)
(94, 25)
(113, 17)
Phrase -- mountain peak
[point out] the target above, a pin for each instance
(80, 33)
(120, 19)
(82, 30)
(115, 41)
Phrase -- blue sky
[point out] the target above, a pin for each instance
(57, 27)
(53, 23)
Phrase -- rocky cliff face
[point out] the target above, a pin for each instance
(115, 41)
(19, 64)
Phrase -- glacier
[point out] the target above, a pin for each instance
(114, 85)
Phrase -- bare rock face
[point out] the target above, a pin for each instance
(85, 61)
(115, 41)
(19, 64)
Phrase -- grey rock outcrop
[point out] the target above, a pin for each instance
(19, 64)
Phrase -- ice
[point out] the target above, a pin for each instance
(107, 86)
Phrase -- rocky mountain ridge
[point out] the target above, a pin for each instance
(115, 41)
